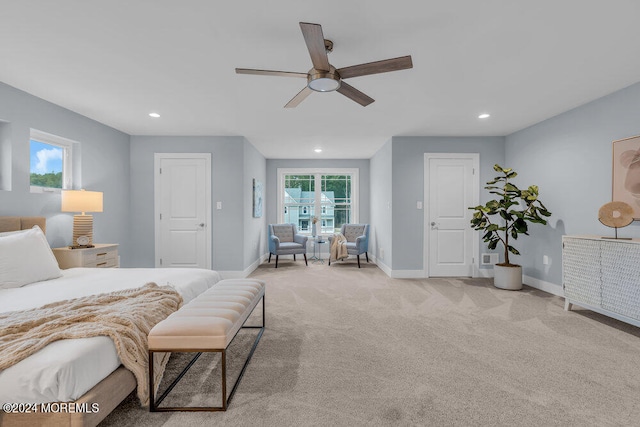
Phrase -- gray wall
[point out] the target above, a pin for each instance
(255, 229)
(569, 157)
(408, 187)
(227, 186)
(102, 157)
(381, 209)
(364, 201)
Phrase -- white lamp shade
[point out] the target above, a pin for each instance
(81, 201)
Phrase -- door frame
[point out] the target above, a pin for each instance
(475, 157)
(157, 158)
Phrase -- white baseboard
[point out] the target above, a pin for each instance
(397, 274)
(230, 274)
(407, 274)
(246, 272)
(381, 265)
(482, 272)
(548, 287)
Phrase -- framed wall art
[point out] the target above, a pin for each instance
(626, 173)
(257, 198)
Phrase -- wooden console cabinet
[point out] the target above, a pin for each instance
(602, 275)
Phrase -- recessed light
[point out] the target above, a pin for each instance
(484, 116)
(318, 150)
(154, 115)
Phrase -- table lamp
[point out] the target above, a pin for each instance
(82, 201)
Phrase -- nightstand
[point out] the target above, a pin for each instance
(101, 256)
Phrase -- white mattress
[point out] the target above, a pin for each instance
(65, 370)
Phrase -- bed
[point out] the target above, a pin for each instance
(84, 370)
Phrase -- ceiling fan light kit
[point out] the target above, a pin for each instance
(324, 77)
(324, 84)
(323, 81)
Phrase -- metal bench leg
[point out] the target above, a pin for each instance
(224, 380)
(154, 405)
(152, 402)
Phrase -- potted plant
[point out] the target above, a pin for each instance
(506, 218)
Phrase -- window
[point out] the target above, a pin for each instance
(330, 195)
(50, 162)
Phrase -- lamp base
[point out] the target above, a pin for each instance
(82, 226)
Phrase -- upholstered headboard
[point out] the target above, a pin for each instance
(15, 223)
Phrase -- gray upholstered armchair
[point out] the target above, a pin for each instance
(285, 240)
(357, 236)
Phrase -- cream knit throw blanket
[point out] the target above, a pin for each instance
(124, 316)
(338, 250)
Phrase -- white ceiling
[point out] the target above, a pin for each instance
(522, 61)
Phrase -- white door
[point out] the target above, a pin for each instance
(183, 209)
(452, 187)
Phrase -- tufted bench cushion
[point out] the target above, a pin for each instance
(208, 323)
(211, 320)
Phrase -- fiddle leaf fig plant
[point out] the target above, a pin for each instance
(508, 215)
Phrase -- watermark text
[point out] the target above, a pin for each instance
(51, 408)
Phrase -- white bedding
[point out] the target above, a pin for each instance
(67, 369)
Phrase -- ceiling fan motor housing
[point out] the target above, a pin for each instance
(323, 81)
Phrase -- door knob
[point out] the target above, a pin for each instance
(433, 223)
(201, 225)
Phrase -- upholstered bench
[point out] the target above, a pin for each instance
(208, 323)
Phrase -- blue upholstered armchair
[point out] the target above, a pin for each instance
(357, 236)
(285, 240)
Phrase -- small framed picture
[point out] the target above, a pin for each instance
(257, 198)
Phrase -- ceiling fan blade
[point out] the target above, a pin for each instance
(384, 66)
(270, 73)
(354, 94)
(315, 43)
(299, 97)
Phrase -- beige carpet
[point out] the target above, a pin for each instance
(347, 346)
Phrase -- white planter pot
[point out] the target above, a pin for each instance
(509, 278)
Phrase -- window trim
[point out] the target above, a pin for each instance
(355, 187)
(67, 161)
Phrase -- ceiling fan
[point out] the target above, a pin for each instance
(324, 77)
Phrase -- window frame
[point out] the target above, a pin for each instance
(67, 160)
(318, 172)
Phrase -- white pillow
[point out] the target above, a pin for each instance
(26, 257)
(8, 233)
